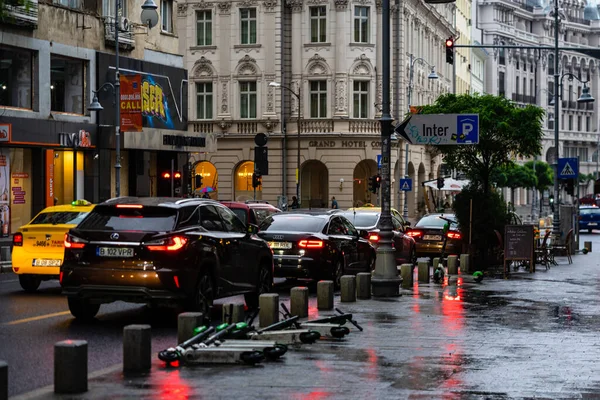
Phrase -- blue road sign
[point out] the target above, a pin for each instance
(440, 129)
(568, 168)
(406, 184)
(379, 161)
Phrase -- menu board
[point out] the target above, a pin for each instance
(518, 242)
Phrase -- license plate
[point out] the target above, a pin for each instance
(432, 237)
(592, 224)
(280, 245)
(44, 262)
(114, 252)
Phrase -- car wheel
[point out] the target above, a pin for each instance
(82, 309)
(338, 272)
(205, 294)
(29, 283)
(264, 285)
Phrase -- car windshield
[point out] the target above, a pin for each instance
(61, 217)
(144, 219)
(436, 221)
(241, 214)
(263, 213)
(361, 220)
(292, 223)
(589, 211)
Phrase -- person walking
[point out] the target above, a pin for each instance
(334, 203)
(294, 202)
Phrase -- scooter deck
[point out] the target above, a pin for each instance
(217, 355)
(324, 329)
(287, 336)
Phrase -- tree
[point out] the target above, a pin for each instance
(545, 178)
(505, 131)
(515, 176)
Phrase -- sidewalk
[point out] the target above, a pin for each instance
(534, 335)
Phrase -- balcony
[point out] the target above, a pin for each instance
(579, 21)
(24, 16)
(364, 126)
(126, 41)
(523, 5)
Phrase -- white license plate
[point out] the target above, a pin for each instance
(115, 252)
(44, 262)
(280, 245)
(592, 224)
(432, 237)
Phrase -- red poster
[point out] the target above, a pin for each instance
(49, 178)
(131, 103)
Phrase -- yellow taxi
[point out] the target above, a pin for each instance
(38, 246)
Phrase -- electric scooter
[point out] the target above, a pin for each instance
(439, 271)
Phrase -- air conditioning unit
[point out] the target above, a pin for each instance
(124, 25)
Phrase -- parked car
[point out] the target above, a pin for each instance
(393, 211)
(428, 233)
(38, 246)
(316, 245)
(367, 222)
(163, 251)
(251, 212)
(589, 218)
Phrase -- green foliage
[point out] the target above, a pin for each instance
(543, 173)
(514, 176)
(4, 16)
(505, 131)
(586, 178)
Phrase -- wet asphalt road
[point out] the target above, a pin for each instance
(534, 336)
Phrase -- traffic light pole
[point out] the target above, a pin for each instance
(172, 177)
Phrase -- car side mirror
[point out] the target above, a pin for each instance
(252, 229)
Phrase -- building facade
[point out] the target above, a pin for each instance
(462, 56)
(307, 74)
(527, 76)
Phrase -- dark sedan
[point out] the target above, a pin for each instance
(163, 251)
(367, 221)
(316, 245)
(428, 233)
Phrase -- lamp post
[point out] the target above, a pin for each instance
(150, 16)
(297, 95)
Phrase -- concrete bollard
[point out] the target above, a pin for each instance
(348, 289)
(363, 285)
(70, 367)
(406, 270)
(453, 265)
(186, 323)
(299, 301)
(269, 309)
(423, 271)
(588, 246)
(137, 348)
(237, 312)
(464, 263)
(3, 380)
(325, 295)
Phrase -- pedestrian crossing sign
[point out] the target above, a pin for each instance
(406, 185)
(568, 168)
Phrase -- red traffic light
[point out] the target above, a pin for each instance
(449, 42)
(166, 175)
(177, 175)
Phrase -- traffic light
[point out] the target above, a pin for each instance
(570, 187)
(440, 182)
(177, 182)
(256, 180)
(551, 200)
(450, 50)
(198, 181)
(166, 175)
(374, 183)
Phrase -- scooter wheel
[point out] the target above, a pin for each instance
(339, 332)
(168, 356)
(309, 337)
(275, 352)
(252, 357)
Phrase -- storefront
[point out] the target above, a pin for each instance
(42, 163)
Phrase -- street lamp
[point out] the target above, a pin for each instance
(149, 15)
(297, 95)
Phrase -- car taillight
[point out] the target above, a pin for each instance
(454, 235)
(18, 239)
(130, 206)
(169, 244)
(373, 237)
(60, 277)
(414, 234)
(311, 244)
(72, 242)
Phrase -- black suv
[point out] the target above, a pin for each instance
(163, 251)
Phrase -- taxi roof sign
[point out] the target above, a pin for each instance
(80, 203)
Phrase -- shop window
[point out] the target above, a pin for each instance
(15, 189)
(67, 83)
(166, 15)
(16, 78)
(243, 182)
(205, 179)
(204, 28)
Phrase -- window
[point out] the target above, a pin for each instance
(361, 24)
(189, 216)
(551, 64)
(588, 125)
(570, 122)
(248, 25)
(166, 15)
(16, 78)
(68, 3)
(232, 223)
(336, 227)
(501, 90)
(210, 219)
(579, 124)
(361, 99)
(318, 24)
(67, 77)
(147, 219)
(247, 99)
(108, 8)
(502, 57)
(203, 28)
(318, 99)
(204, 100)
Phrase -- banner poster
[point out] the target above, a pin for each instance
(131, 103)
(4, 192)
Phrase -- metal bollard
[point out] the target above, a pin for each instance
(406, 270)
(3, 380)
(325, 295)
(186, 323)
(348, 289)
(70, 367)
(299, 301)
(423, 271)
(237, 312)
(453, 265)
(269, 309)
(588, 246)
(137, 348)
(363, 285)
(464, 263)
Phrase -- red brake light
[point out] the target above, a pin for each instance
(172, 244)
(60, 277)
(18, 239)
(454, 235)
(130, 206)
(373, 237)
(414, 234)
(176, 280)
(70, 244)
(311, 244)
